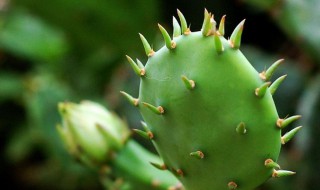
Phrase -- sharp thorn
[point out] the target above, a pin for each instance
(149, 51)
(144, 134)
(261, 91)
(184, 26)
(266, 75)
(176, 27)
(179, 172)
(269, 163)
(221, 25)
(145, 126)
(241, 128)
(235, 39)
(289, 135)
(159, 166)
(139, 71)
(197, 154)
(218, 44)
(208, 24)
(158, 110)
(140, 65)
(282, 123)
(232, 185)
(132, 100)
(213, 24)
(169, 43)
(190, 84)
(282, 173)
(274, 86)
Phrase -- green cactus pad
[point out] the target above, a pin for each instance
(214, 103)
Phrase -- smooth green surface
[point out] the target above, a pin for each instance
(88, 129)
(132, 164)
(206, 118)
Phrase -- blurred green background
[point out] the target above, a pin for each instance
(70, 50)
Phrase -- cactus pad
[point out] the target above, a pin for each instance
(212, 115)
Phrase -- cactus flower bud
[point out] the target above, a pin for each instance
(90, 132)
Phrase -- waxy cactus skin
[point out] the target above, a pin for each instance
(211, 114)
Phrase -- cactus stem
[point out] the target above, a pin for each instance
(266, 75)
(221, 26)
(261, 91)
(137, 69)
(235, 39)
(241, 128)
(288, 136)
(274, 86)
(132, 100)
(169, 43)
(197, 154)
(282, 123)
(190, 84)
(282, 173)
(218, 44)
(184, 27)
(179, 172)
(208, 26)
(176, 27)
(269, 163)
(232, 185)
(158, 110)
(159, 166)
(149, 51)
(144, 134)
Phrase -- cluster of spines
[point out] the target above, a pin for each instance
(280, 123)
(209, 29)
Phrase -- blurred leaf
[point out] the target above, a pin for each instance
(25, 35)
(307, 141)
(11, 86)
(309, 107)
(262, 4)
(43, 93)
(299, 19)
(92, 24)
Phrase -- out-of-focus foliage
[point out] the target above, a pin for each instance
(299, 19)
(52, 51)
(25, 35)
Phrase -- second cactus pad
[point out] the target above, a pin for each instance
(211, 114)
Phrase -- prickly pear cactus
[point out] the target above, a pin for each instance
(209, 113)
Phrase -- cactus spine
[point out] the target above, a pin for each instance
(212, 115)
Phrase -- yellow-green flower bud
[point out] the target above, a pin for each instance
(90, 132)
